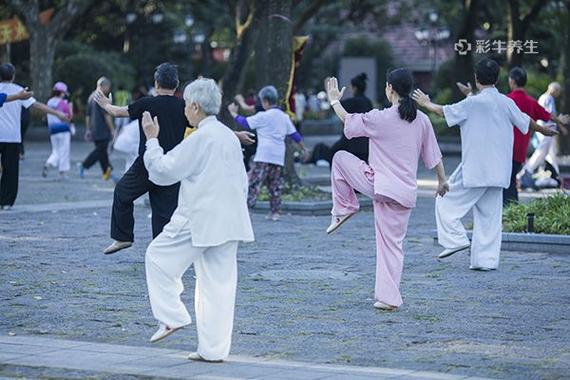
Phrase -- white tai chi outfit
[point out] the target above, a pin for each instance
(547, 148)
(486, 123)
(211, 218)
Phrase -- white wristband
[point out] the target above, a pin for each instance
(334, 102)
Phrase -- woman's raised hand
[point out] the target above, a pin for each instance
(331, 87)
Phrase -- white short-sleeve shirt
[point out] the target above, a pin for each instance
(272, 126)
(486, 122)
(10, 114)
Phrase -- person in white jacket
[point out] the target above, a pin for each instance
(211, 218)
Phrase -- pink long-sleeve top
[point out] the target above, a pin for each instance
(396, 146)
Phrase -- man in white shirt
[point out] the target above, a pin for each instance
(547, 150)
(486, 123)
(211, 218)
(11, 136)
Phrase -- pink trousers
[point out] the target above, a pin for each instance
(349, 173)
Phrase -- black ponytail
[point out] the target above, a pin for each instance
(402, 82)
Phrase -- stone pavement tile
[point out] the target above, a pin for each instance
(190, 370)
(42, 342)
(25, 349)
(130, 350)
(432, 376)
(5, 356)
(353, 376)
(93, 361)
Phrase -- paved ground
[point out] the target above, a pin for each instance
(101, 360)
(302, 296)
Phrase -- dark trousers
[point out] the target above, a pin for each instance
(133, 184)
(512, 193)
(357, 146)
(10, 160)
(100, 153)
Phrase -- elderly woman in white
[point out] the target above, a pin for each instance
(211, 218)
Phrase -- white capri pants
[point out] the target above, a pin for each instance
(60, 148)
(167, 259)
(547, 149)
(487, 205)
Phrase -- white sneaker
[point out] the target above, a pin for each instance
(273, 216)
(450, 251)
(338, 221)
(197, 357)
(382, 306)
(162, 332)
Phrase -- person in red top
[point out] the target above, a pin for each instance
(528, 105)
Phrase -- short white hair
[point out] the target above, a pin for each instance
(206, 94)
(554, 86)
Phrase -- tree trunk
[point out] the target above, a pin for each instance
(42, 52)
(514, 33)
(279, 39)
(464, 63)
(273, 60)
(44, 35)
(518, 27)
(565, 140)
(245, 40)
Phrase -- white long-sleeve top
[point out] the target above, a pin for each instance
(213, 184)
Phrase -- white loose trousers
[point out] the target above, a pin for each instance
(487, 205)
(167, 259)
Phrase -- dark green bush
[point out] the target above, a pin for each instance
(551, 215)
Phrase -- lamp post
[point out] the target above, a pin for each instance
(432, 36)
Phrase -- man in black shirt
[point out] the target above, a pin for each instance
(163, 199)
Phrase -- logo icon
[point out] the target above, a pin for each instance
(462, 47)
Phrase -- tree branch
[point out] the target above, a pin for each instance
(533, 13)
(65, 17)
(28, 9)
(307, 15)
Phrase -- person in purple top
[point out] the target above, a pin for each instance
(272, 126)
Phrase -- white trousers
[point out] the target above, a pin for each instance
(167, 259)
(60, 147)
(547, 149)
(487, 205)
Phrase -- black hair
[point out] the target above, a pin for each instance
(518, 74)
(402, 82)
(166, 75)
(56, 93)
(7, 72)
(359, 83)
(487, 71)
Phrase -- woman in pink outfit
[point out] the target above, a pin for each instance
(399, 136)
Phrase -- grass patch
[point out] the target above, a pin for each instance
(551, 215)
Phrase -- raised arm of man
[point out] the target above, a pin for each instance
(105, 103)
(424, 101)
